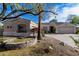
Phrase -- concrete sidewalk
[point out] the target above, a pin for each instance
(64, 38)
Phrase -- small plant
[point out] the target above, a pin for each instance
(2, 44)
(77, 31)
(76, 41)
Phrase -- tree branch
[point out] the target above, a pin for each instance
(18, 15)
(15, 11)
(50, 12)
(25, 12)
(4, 10)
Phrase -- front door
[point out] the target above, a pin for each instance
(52, 29)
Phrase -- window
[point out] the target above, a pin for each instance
(9, 26)
(22, 28)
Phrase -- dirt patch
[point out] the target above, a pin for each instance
(62, 48)
(46, 47)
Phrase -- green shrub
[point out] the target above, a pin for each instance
(77, 31)
(76, 41)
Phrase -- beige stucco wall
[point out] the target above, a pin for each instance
(13, 31)
(46, 27)
(61, 29)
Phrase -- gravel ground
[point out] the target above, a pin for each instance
(62, 49)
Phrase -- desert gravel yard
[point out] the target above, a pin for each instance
(65, 38)
(51, 45)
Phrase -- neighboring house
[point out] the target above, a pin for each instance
(22, 27)
(18, 27)
(59, 28)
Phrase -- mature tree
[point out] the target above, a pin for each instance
(22, 9)
(39, 8)
(69, 18)
(75, 20)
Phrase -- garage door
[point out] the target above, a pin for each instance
(65, 30)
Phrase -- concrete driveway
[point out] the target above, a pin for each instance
(65, 38)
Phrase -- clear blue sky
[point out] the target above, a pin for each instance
(63, 10)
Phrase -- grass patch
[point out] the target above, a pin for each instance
(1, 39)
(22, 40)
(40, 49)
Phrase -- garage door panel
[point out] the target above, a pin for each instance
(66, 30)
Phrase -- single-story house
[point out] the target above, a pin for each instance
(59, 28)
(18, 27)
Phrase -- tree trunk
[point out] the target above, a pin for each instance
(39, 27)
